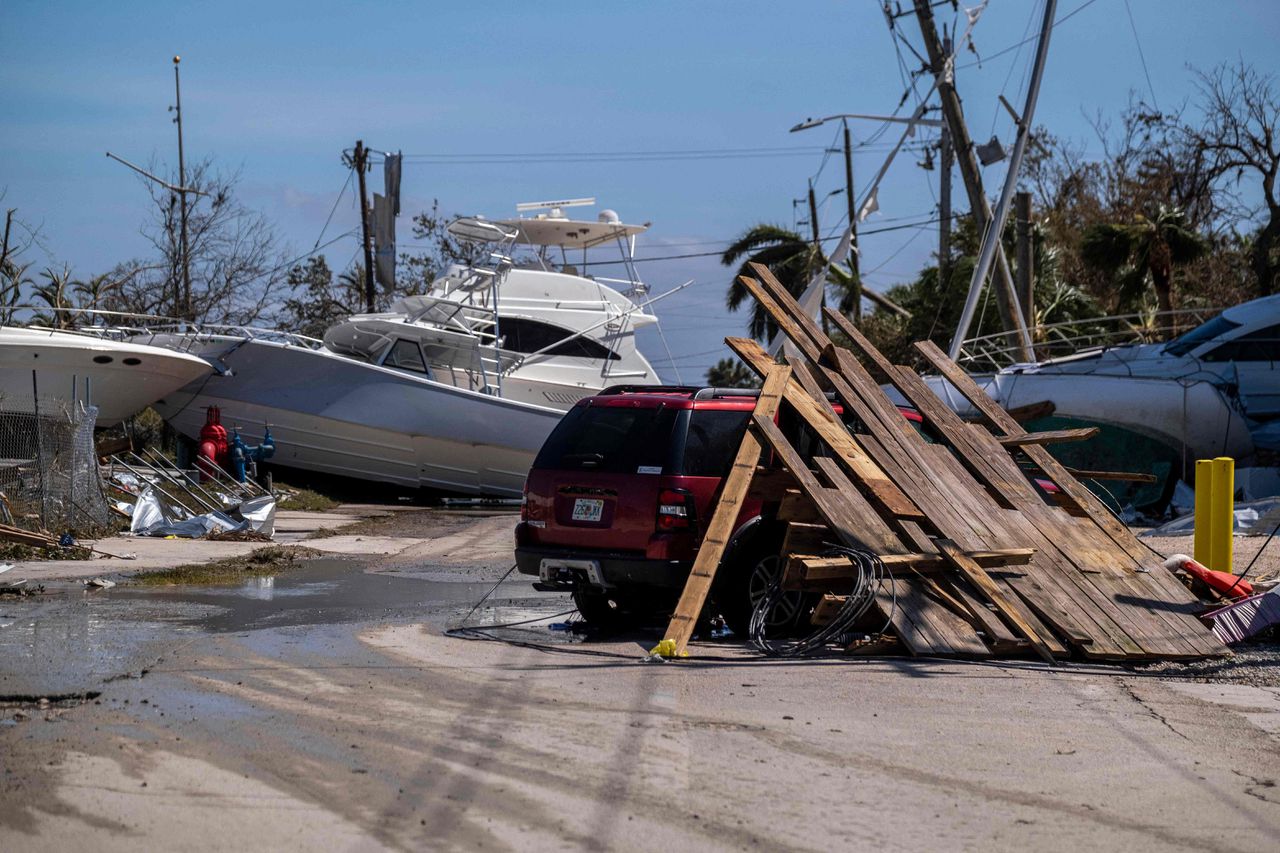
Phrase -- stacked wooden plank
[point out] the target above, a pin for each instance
(984, 560)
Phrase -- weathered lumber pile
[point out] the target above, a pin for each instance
(983, 557)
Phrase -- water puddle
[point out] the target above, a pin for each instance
(72, 640)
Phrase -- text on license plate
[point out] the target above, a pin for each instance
(588, 509)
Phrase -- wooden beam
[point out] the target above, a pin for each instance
(833, 433)
(1121, 476)
(821, 568)
(1032, 411)
(1054, 436)
(980, 579)
(724, 518)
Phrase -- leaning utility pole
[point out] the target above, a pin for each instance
(945, 164)
(360, 163)
(980, 208)
(1026, 257)
(817, 241)
(991, 241)
(855, 274)
(183, 299)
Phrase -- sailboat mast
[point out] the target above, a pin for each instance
(991, 240)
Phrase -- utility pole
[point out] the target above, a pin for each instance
(849, 196)
(183, 299)
(360, 163)
(979, 206)
(817, 241)
(1026, 258)
(945, 163)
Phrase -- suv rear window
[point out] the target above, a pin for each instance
(616, 439)
(712, 441)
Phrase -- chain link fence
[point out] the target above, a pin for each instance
(49, 467)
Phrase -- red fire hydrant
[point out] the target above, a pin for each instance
(213, 444)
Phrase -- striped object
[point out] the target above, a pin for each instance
(1246, 617)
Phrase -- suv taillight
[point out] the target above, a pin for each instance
(675, 510)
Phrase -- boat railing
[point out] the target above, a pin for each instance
(1057, 340)
(125, 325)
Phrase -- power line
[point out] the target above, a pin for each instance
(862, 232)
(1138, 42)
(333, 209)
(1077, 10)
(499, 158)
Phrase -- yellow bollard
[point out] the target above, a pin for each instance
(1204, 518)
(1222, 499)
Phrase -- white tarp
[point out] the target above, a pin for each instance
(150, 518)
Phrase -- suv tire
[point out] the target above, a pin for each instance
(744, 577)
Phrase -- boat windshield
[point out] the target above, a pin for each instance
(1216, 327)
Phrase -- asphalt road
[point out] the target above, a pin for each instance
(326, 708)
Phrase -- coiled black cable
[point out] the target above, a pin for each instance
(871, 572)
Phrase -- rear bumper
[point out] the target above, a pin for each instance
(569, 569)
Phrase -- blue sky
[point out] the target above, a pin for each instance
(277, 90)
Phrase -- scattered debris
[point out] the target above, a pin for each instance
(981, 559)
(1246, 617)
(99, 583)
(1222, 583)
(170, 502)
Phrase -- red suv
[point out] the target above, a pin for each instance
(617, 499)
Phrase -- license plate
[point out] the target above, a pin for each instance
(588, 509)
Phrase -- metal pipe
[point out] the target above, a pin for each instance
(991, 240)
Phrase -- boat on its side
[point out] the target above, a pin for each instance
(453, 390)
(121, 378)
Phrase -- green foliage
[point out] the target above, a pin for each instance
(1145, 248)
(416, 272)
(316, 301)
(731, 373)
(788, 256)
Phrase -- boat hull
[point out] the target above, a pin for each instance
(121, 379)
(1192, 417)
(334, 415)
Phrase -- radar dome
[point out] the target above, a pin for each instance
(609, 216)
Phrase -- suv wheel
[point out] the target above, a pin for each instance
(746, 576)
(598, 609)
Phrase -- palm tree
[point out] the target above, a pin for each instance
(54, 294)
(731, 373)
(94, 291)
(1151, 245)
(13, 278)
(790, 257)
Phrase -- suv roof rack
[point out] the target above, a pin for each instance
(649, 389)
(697, 392)
(713, 393)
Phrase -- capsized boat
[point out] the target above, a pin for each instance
(1238, 351)
(121, 378)
(452, 390)
(1161, 406)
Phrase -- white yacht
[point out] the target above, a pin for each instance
(119, 377)
(1238, 351)
(1161, 406)
(454, 389)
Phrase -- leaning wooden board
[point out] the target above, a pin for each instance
(1089, 583)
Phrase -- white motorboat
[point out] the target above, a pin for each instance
(454, 389)
(1161, 406)
(120, 378)
(1238, 351)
